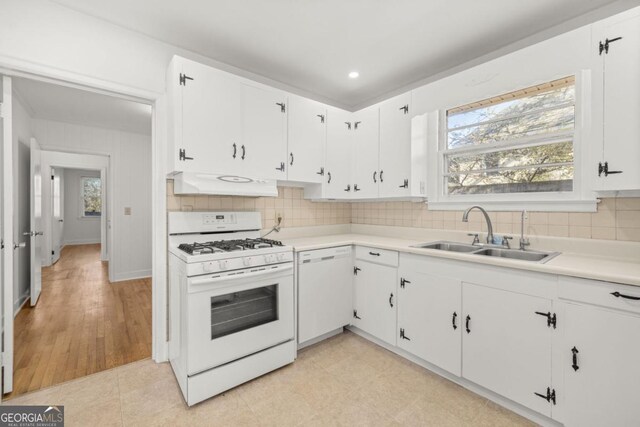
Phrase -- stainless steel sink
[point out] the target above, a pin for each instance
(448, 246)
(534, 256)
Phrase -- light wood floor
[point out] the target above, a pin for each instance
(82, 324)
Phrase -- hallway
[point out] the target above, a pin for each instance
(82, 324)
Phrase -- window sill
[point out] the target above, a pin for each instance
(530, 205)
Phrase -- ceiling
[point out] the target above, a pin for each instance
(64, 104)
(312, 45)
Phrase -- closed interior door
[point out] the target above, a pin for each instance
(35, 201)
(57, 220)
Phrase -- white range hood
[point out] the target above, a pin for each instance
(224, 185)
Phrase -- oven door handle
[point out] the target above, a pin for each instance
(281, 268)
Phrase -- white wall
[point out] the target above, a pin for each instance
(78, 230)
(22, 133)
(129, 181)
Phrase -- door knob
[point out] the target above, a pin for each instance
(28, 233)
(19, 245)
(61, 220)
(39, 233)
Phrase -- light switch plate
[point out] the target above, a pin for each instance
(127, 211)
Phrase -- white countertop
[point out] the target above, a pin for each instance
(588, 266)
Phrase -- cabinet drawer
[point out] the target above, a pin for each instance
(604, 294)
(379, 256)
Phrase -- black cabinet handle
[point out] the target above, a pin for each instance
(391, 300)
(244, 151)
(619, 295)
(467, 324)
(235, 150)
(453, 320)
(374, 176)
(328, 177)
(374, 253)
(291, 162)
(575, 358)
(381, 178)
(321, 172)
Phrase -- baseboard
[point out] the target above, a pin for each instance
(20, 302)
(131, 275)
(81, 242)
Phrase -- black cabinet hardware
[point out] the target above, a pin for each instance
(453, 320)
(551, 318)
(244, 151)
(348, 125)
(321, 118)
(391, 300)
(405, 109)
(355, 187)
(575, 352)
(549, 397)
(348, 188)
(381, 178)
(375, 174)
(283, 106)
(321, 173)
(355, 314)
(403, 281)
(605, 46)
(281, 168)
(619, 295)
(328, 177)
(182, 155)
(604, 169)
(374, 253)
(403, 335)
(183, 79)
(468, 320)
(235, 150)
(355, 271)
(405, 184)
(355, 125)
(291, 159)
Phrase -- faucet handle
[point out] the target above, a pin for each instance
(476, 240)
(505, 241)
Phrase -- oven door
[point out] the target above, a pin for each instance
(236, 314)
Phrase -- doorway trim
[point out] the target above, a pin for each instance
(15, 68)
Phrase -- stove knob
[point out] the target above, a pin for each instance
(281, 256)
(248, 261)
(208, 266)
(269, 258)
(223, 264)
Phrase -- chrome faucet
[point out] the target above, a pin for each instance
(524, 242)
(465, 218)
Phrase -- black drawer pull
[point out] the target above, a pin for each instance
(453, 320)
(467, 324)
(374, 253)
(391, 300)
(619, 295)
(575, 358)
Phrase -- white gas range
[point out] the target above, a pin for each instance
(231, 301)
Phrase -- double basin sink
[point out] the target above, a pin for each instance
(491, 251)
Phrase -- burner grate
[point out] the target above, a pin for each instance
(227, 246)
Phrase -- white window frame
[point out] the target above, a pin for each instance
(580, 199)
(82, 215)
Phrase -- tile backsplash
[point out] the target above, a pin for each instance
(616, 219)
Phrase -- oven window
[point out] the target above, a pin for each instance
(238, 311)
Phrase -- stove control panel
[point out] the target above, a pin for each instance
(218, 219)
(238, 263)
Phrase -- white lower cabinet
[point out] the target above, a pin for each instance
(375, 300)
(506, 345)
(601, 364)
(429, 317)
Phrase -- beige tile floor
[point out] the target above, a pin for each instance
(344, 381)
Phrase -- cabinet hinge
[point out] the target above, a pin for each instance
(321, 117)
(403, 282)
(182, 155)
(53, 252)
(405, 184)
(348, 125)
(405, 109)
(355, 271)
(604, 169)
(552, 319)
(604, 47)
(355, 125)
(355, 314)
(183, 79)
(283, 107)
(403, 335)
(52, 177)
(549, 397)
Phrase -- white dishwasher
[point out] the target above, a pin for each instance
(325, 292)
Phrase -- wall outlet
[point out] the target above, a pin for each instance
(279, 219)
(127, 211)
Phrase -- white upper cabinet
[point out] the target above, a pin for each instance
(205, 107)
(365, 135)
(337, 178)
(620, 55)
(395, 147)
(307, 138)
(264, 133)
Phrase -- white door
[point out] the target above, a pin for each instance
(57, 218)
(7, 236)
(429, 317)
(506, 346)
(338, 155)
(36, 227)
(622, 105)
(306, 140)
(365, 154)
(211, 120)
(603, 388)
(264, 133)
(375, 300)
(395, 146)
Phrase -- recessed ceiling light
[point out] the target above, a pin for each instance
(354, 75)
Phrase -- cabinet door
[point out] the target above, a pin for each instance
(375, 300)
(622, 105)
(605, 387)
(430, 317)
(365, 152)
(211, 121)
(264, 132)
(338, 157)
(306, 142)
(395, 146)
(507, 346)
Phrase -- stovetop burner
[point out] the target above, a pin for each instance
(227, 246)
